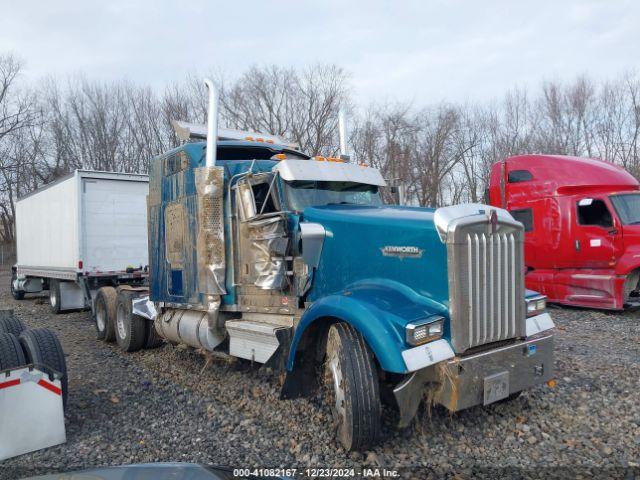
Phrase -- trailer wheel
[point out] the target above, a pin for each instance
(16, 294)
(104, 314)
(130, 328)
(9, 323)
(54, 296)
(350, 386)
(11, 354)
(152, 338)
(41, 346)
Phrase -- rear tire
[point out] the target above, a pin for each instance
(11, 354)
(130, 328)
(41, 346)
(54, 296)
(16, 294)
(104, 314)
(351, 388)
(10, 324)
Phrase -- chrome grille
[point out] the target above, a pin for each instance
(486, 284)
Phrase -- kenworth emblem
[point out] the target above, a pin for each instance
(401, 252)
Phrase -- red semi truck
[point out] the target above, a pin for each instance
(582, 227)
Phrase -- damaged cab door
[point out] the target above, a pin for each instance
(261, 233)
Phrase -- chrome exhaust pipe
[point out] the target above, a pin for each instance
(212, 123)
(342, 133)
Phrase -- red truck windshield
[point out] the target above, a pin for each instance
(628, 208)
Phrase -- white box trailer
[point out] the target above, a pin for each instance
(84, 231)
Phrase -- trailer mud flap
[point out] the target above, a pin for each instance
(31, 411)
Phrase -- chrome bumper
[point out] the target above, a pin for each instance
(459, 383)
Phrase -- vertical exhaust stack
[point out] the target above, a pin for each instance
(212, 123)
(342, 133)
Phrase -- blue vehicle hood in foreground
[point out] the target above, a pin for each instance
(367, 242)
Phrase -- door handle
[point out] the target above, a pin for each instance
(577, 245)
(613, 231)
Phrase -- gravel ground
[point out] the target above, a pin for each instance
(169, 404)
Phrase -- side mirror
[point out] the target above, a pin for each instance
(246, 201)
(399, 191)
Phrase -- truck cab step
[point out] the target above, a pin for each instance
(256, 340)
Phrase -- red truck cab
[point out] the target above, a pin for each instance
(582, 227)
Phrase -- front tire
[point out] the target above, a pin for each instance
(130, 328)
(351, 388)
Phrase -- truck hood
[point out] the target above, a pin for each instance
(393, 243)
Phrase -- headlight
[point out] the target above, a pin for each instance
(536, 305)
(429, 329)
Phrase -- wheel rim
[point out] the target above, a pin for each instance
(53, 298)
(101, 321)
(334, 382)
(120, 314)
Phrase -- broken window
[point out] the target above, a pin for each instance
(257, 196)
(594, 212)
(264, 198)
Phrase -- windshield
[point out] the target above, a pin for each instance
(304, 193)
(628, 208)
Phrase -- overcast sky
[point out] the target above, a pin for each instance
(422, 51)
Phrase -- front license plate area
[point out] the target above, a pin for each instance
(496, 387)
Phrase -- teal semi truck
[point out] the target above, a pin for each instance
(260, 252)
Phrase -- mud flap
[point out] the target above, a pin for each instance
(31, 412)
(301, 381)
(278, 361)
(410, 392)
